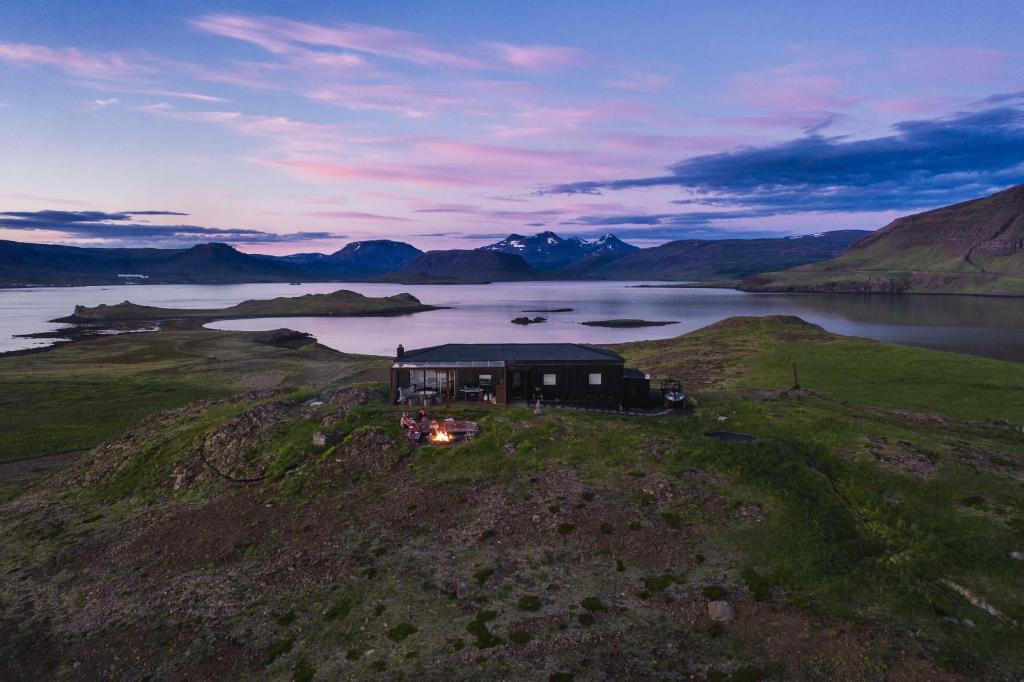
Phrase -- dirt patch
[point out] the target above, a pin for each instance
(903, 456)
(1005, 463)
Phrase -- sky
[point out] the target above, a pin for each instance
(284, 127)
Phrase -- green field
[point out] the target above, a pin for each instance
(75, 396)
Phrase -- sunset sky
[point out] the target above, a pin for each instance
(286, 126)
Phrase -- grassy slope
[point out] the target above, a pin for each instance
(966, 248)
(850, 570)
(760, 353)
(75, 396)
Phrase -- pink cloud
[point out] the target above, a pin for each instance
(280, 36)
(398, 173)
(286, 37)
(787, 88)
(912, 106)
(358, 215)
(537, 58)
(395, 98)
(103, 103)
(99, 66)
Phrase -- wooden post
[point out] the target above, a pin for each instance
(796, 378)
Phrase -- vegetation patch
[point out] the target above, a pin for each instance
(660, 583)
(303, 670)
(276, 649)
(673, 519)
(520, 636)
(528, 602)
(339, 609)
(401, 631)
(485, 639)
(715, 592)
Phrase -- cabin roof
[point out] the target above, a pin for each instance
(500, 353)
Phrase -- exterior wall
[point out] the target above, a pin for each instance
(636, 392)
(572, 382)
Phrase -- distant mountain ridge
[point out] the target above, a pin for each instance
(544, 256)
(463, 266)
(24, 264)
(974, 247)
(548, 251)
(710, 259)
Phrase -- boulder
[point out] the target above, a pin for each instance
(721, 611)
(322, 439)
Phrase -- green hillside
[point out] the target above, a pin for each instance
(976, 247)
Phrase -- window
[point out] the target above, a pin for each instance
(485, 379)
(595, 379)
(550, 379)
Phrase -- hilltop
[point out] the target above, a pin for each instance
(975, 247)
(206, 534)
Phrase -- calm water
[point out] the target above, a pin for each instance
(992, 327)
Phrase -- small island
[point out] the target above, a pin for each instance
(549, 310)
(336, 304)
(626, 323)
(529, 320)
(87, 322)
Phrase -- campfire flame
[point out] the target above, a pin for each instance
(440, 436)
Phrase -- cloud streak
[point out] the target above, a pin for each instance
(922, 163)
(118, 229)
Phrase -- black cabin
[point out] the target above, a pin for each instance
(505, 373)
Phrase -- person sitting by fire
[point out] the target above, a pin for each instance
(412, 428)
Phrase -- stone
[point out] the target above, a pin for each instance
(322, 439)
(721, 611)
(1019, 556)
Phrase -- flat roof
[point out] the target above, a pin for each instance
(458, 353)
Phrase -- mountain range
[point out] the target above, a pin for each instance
(548, 251)
(544, 256)
(975, 247)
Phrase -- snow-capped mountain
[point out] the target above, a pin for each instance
(548, 251)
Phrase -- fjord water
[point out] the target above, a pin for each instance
(992, 327)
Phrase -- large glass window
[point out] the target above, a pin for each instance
(595, 378)
(550, 379)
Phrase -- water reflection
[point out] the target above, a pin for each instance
(992, 327)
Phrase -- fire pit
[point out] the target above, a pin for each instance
(450, 431)
(434, 432)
